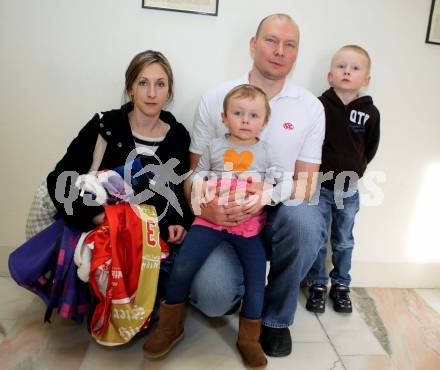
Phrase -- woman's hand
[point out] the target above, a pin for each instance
(98, 219)
(176, 234)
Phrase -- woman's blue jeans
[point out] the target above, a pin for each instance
(339, 209)
(198, 245)
(292, 240)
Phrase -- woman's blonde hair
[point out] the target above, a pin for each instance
(146, 58)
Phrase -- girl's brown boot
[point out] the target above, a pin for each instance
(168, 332)
(248, 343)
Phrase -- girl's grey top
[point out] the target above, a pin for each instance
(243, 161)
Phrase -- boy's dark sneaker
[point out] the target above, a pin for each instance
(316, 299)
(340, 294)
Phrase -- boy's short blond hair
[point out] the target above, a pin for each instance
(246, 91)
(359, 50)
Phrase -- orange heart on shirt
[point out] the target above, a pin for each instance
(237, 161)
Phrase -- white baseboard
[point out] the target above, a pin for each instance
(395, 275)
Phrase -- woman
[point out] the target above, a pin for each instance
(140, 133)
(140, 123)
(147, 149)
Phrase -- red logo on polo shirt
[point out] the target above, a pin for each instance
(288, 126)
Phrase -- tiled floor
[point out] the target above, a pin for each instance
(404, 322)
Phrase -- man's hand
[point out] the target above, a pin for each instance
(257, 197)
(223, 215)
(242, 205)
(254, 200)
(176, 234)
(304, 180)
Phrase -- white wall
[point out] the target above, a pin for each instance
(61, 61)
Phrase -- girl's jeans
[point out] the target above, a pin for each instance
(198, 245)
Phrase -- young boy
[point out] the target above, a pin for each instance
(351, 141)
(230, 160)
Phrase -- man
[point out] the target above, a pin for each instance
(296, 131)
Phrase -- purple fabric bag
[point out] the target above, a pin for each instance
(44, 265)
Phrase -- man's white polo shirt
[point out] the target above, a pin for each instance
(295, 130)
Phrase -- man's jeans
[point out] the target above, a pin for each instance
(292, 241)
(341, 210)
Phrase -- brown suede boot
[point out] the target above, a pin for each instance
(248, 343)
(168, 332)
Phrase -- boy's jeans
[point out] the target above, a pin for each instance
(292, 240)
(340, 208)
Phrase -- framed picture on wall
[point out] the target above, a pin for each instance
(205, 7)
(433, 34)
